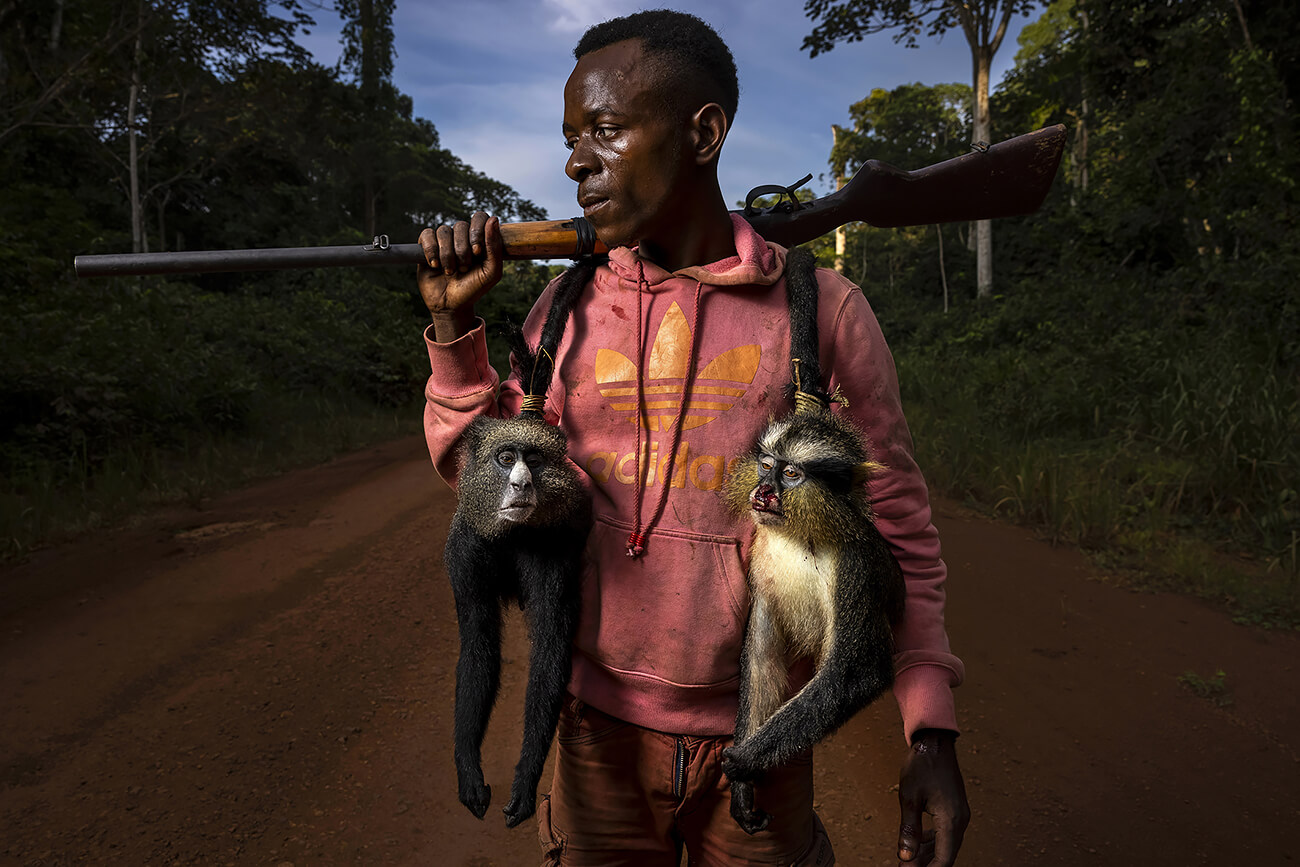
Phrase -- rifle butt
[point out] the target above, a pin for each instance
(1008, 179)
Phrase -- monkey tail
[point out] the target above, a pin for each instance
(537, 367)
(805, 347)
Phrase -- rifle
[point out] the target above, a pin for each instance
(1008, 179)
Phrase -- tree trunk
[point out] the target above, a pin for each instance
(841, 234)
(369, 94)
(56, 26)
(1081, 137)
(133, 155)
(943, 274)
(983, 228)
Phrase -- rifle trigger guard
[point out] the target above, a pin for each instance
(783, 207)
(379, 243)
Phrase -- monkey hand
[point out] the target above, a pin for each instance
(475, 794)
(750, 819)
(462, 263)
(523, 803)
(740, 763)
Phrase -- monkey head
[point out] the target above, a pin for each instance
(804, 477)
(514, 473)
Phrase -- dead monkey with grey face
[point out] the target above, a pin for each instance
(519, 530)
(823, 582)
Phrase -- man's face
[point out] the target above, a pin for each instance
(629, 149)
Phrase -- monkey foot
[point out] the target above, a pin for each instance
(476, 796)
(750, 819)
(521, 806)
(751, 822)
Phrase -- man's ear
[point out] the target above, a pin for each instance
(709, 128)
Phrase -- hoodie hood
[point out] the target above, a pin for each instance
(757, 262)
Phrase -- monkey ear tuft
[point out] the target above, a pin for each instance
(865, 470)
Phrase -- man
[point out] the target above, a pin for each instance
(683, 338)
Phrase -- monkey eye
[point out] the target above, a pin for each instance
(506, 457)
(792, 474)
(766, 462)
(534, 460)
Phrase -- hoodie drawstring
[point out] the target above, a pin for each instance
(637, 540)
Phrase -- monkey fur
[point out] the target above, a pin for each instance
(520, 527)
(823, 582)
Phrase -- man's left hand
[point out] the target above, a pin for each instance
(931, 782)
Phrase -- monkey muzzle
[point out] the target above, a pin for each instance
(517, 510)
(766, 501)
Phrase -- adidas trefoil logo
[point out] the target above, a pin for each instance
(717, 387)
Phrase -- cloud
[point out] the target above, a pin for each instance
(575, 16)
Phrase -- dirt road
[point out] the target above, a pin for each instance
(269, 682)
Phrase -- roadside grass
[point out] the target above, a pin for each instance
(1212, 689)
(52, 501)
(1149, 520)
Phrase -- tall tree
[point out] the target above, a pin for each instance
(983, 22)
(911, 126)
(368, 54)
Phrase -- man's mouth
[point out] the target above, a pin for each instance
(592, 204)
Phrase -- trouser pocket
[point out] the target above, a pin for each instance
(552, 843)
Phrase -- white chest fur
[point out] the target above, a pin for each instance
(797, 584)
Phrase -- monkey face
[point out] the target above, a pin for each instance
(518, 493)
(775, 478)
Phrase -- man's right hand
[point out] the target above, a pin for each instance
(463, 262)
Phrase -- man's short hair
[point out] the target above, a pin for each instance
(694, 54)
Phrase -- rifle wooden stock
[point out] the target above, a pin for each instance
(1008, 179)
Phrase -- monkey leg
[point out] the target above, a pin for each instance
(763, 682)
(763, 679)
(552, 618)
(478, 671)
(844, 685)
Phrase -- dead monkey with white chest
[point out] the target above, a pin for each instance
(823, 582)
(519, 530)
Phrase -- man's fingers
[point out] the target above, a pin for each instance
(495, 248)
(949, 831)
(429, 244)
(464, 255)
(476, 224)
(909, 834)
(447, 250)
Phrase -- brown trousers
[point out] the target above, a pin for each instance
(625, 795)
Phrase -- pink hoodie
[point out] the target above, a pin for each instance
(659, 637)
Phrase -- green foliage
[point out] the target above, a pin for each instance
(183, 124)
(911, 126)
(852, 20)
(1214, 689)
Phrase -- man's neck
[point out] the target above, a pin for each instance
(701, 236)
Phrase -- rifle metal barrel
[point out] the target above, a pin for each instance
(272, 259)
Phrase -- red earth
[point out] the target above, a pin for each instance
(268, 681)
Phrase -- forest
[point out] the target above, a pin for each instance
(1130, 384)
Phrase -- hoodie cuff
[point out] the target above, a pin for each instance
(461, 367)
(924, 695)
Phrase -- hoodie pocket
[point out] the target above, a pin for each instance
(676, 614)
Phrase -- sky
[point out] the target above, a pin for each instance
(490, 76)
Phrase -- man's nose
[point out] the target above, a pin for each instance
(581, 162)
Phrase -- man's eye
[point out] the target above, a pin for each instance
(605, 131)
(570, 143)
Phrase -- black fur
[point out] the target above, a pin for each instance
(536, 563)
